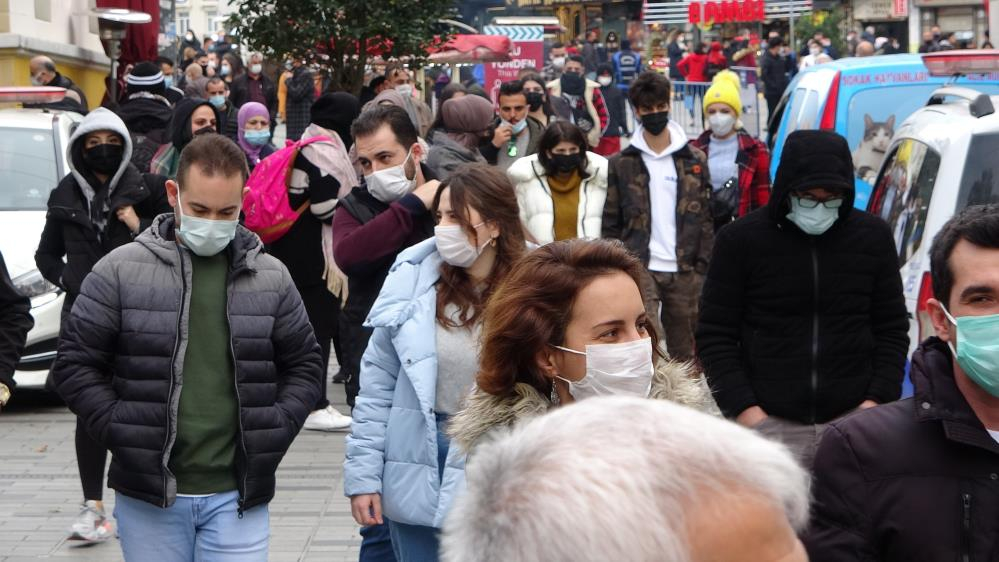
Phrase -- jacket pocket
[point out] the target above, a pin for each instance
(966, 533)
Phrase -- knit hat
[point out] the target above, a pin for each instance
(722, 91)
(145, 77)
(814, 158)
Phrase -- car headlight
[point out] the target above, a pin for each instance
(32, 284)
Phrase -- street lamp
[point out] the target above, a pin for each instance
(113, 25)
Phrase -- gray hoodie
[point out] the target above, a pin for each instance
(100, 119)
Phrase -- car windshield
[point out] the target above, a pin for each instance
(981, 171)
(28, 169)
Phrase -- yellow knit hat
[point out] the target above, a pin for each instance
(728, 76)
(722, 91)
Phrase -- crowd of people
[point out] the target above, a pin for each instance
(478, 270)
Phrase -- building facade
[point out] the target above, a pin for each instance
(63, 30)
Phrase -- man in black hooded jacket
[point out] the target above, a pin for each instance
(802, 314)
(145, 110)
(191, 117)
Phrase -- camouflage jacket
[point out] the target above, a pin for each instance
(628, 210)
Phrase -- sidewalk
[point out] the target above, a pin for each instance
(40, 491)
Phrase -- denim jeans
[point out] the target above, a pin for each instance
(192, 529)
(376, 544)
(418, 543)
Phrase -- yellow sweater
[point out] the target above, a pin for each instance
(565, 202)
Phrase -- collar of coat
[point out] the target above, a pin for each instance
(484, 413)
(685, 152)
(159, 239)
(937, 397)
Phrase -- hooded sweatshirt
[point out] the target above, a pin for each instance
(662, 196)
(167, 158)
(101, 119)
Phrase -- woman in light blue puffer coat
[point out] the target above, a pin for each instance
(423, 357)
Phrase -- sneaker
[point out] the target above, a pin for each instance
(91, 526)
(327, 419)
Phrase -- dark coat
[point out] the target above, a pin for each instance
(70, 233)
(143, 115)
(120, 361)
(239, 92)
(912, 481)
(806, 327)
(775, 71)
(534, 129)
(367, 237)
(614, 98)
(628, 209)
(15, 321)
(301, 93)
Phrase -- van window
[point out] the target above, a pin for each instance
(797, 100)
(981, 172)
(903, 193)
(809, 116)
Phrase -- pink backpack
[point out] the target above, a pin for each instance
(265, 206)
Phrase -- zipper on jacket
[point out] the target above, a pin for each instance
(583, 190)
(241, 501)
(966, 528)
(815, 329)
(173, 376)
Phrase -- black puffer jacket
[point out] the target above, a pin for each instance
(122, 354)
(15, 321)
(806, 327)
(70, 231)
(912, 481)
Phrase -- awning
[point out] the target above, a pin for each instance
(472, 49)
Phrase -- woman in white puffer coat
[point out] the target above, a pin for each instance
(561, 190)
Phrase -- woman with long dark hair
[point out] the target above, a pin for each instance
(421, 360)
(539, 105)
(561, 190)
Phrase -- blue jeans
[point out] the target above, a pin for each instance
(198, 529)
(376, 544)
(417, 543)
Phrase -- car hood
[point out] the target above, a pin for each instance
(20, 232)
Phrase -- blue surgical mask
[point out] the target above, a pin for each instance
(168, 82)
(204, 237)
(815, 220)
(257, 138)
(978, 349)
(218, 101)
(518, 127)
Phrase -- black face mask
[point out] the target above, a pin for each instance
(204, 130)
(534, 100)
(655, 123)
(565, 163)
(573, 84)
(204, 70)
(104, 158)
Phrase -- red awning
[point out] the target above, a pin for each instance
(472, 49)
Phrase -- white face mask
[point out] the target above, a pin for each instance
(454, 247)
(37, 80)
(404, 89)
(614, 369)
(604, 80)
(815, 51)
(204, 237)
(558, 62)
(721, 123)
(391, 184)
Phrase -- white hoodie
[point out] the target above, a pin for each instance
(662, 196)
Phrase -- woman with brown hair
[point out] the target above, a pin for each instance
(422, 359)
(566, 324)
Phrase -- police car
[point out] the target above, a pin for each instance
(33, 158)
(941, 159)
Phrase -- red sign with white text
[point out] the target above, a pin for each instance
(523, 54)
(727, 11)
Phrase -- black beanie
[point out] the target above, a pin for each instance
(814, 158)
(336, 111)
(145, 77)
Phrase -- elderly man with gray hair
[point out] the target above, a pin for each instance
(629, 479)
(254, 85)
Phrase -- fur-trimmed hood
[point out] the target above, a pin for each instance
(673, 380)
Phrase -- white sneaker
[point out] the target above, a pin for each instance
(91, 525)
(327, 419)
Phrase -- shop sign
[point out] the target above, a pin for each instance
(900, 8)
(724, 12)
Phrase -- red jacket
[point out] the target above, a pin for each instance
(754, 170)
(694, 67)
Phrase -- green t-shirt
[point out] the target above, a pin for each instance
(203, 458)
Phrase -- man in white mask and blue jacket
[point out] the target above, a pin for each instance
(803, 319)
(189, 355)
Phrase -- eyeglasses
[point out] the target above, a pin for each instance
(808, 203)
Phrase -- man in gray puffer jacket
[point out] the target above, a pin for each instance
(188, 353)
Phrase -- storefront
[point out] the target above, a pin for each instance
(890, 18)
(579, 16)
(969, 20)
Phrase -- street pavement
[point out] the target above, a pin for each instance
(40, 490)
